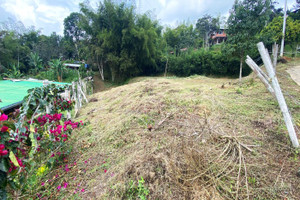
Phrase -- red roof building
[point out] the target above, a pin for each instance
(218, 37)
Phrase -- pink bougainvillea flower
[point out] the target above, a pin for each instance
(4, 128)
(58, 187)
(2, 146)
(65, 185)
(42, 183)
(74, 178)
(85, 162)
(3, 117)
(75, 163)
(105, 171)
(38, 138)
(82, 190)
(52, 155)
(3, 152)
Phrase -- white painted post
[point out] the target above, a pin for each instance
(275, 54)
(48, 109)
(283, 30)
(79, 95)
(279, 95)
(264, 80)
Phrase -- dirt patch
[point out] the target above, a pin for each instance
(98, 84)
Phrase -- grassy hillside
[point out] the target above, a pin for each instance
(186, 138)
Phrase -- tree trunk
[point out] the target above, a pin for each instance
(206, 40)
(112, 74)
(241, 69)
(76, 48)
(166, 69)
(100, 67)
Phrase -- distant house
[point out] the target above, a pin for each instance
(218, 37)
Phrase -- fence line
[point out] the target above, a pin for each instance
(271, 81)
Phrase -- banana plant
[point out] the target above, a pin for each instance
(13, 73)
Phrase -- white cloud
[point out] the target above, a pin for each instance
(23, 10)
(48, 15)
(39, 13)
(53, 15)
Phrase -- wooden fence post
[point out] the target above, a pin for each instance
(278, 93)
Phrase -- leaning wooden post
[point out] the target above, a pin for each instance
(279, 96)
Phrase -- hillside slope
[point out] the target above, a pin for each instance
(187, 138)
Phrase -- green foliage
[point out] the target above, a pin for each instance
(273, 31)
(246, 20)
(205, 25)
(203, 62)
(58, 67)
(14, 72)
(121, 43)
(30, 149)
(137, 191)
(183, 36)
(36, 62)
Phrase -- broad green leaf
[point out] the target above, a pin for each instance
(13, 159)
(32, 129)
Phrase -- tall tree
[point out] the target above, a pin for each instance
(273, 31)
(247, 18)
(72, 31)
(206, 25)
(120, 43)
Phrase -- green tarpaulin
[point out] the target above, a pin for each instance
(14, 92)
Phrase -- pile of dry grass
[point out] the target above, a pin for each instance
(198, 163)
(188, 139)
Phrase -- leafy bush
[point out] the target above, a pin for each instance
(137, 191)
(33, 144)
(204, 62)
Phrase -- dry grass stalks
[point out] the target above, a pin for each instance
(212, 168)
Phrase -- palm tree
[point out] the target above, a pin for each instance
(13, 73)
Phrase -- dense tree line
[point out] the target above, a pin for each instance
(120, 44)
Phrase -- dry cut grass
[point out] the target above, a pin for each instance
(189, 138)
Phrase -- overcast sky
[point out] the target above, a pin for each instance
(48, 15)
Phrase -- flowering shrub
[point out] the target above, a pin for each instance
(30, 145)
(62, 104)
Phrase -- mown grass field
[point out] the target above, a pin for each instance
(187, 138)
